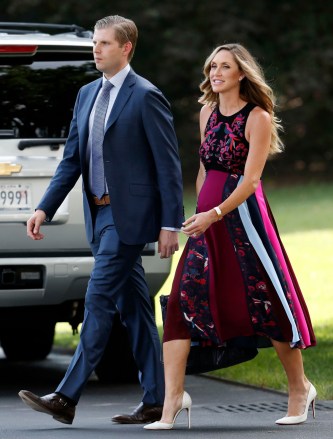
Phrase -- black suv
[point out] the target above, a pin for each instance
(42, 283)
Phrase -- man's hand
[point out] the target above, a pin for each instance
(167, 243)
(34, 223)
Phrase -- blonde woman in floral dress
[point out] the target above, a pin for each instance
(234, 283)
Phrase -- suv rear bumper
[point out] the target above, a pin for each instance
(60, 280)
(53, 280)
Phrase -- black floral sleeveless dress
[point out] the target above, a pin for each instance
(235, 282)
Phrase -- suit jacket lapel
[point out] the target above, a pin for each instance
(122, 97)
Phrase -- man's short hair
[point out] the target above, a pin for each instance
(125, 30)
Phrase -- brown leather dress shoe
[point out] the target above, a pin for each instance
(143, 414)
(52, 404)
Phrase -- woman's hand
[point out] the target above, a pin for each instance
(199, 223)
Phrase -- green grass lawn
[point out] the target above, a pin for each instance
(304, 215)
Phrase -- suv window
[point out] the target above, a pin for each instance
(37, 96)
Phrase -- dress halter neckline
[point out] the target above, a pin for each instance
(234, 114)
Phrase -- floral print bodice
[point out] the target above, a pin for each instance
(225, 147)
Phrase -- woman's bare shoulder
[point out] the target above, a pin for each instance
(259, 115)
(205, 112)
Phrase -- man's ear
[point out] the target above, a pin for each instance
(127, 48)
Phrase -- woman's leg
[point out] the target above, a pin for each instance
(175, 353)
(298, 384)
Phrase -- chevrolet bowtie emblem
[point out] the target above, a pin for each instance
(9, 168)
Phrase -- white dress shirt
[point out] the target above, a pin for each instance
(117, 81)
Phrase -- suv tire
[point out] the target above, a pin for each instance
(28, 342)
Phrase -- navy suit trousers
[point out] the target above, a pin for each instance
(117, 284)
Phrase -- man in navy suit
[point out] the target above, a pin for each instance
(140, 201)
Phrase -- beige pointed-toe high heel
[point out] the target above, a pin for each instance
(186, 405)
(291, 420)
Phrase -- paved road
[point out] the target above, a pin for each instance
(220, 410)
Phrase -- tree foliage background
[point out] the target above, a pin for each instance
(292, 40)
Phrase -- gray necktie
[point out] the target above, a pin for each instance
(97, 138)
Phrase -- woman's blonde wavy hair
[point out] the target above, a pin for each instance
(253, 88)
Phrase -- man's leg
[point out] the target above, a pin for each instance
(113, 266)
(114, 262)
(137, 315)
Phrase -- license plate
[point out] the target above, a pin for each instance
(15, 196)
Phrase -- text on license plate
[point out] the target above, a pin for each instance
(15, 196)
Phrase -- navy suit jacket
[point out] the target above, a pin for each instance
(141, 162)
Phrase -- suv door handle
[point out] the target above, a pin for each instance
(53, 143)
